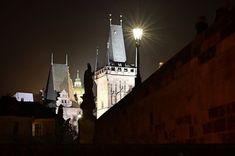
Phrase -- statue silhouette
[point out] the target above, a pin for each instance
(88, 104)
(87, 122)
(88, 80)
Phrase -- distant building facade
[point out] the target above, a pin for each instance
(27, 122)
(116, 79)
(25, 97)
(69, 110)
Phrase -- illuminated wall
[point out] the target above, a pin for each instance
(113, 83)
(70, 111)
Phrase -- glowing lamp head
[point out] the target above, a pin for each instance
(79, 116)
(138, 32)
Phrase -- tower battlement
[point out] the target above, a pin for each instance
(114, 70)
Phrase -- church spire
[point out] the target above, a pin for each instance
(121, 20)
(78, 75)
(108, 53)
(66, 59)
(96, 60)
(110, 19)
(51, 58)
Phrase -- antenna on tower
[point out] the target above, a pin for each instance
(96, 60)
(66, 59)
(136, 58)
(121, 20)
(51, 58)
(110, 19)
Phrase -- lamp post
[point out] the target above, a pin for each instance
(138, 32)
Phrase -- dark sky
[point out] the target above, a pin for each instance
(32, 30)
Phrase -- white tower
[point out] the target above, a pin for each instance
(116, 79)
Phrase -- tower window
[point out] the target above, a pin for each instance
(102, 104)
(37, 130)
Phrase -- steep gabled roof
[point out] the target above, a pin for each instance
(58, 80)
(116, 47)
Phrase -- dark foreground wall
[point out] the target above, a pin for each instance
(116, 150)
(190, 99)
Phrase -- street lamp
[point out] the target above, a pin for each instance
(138, 32)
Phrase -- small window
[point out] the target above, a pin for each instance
(132, 70)
(113, 69)
(102, 104)
(37, 130)
(125, 70)
(119, 69)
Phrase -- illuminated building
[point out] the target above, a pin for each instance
(26, 97)
(70, 111)
(78, 89)
(116, 79)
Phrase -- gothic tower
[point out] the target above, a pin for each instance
(78, 89)
(116, 79)
(58, 80)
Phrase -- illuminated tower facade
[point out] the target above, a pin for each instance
(78, 89)
(116, 79)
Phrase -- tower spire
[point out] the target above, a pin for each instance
(110, 19)
(66, 59)
(108, 53)
(51, 58)
(121, 20)
(136, 57)
(78, 74)
(96, 60)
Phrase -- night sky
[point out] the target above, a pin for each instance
(32, 30)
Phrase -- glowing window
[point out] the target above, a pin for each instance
(37, 130)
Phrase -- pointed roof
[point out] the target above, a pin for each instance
(77, 82)
(58, 80)
(116, 48)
